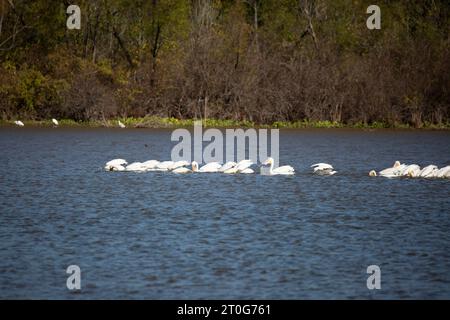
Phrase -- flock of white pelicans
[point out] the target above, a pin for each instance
(180, 167)
(244, 167)
(412, 171)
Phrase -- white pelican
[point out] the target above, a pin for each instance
(443, 172)
(116, 165)
(412, 171)
(150, 164)
(178, 164)
(447, 174)
(394, 171)
(228, 165)
(121, 124)
(55, 122)
(247, 171)
(231, 170)
(242, 166)
(194, 165)
(372, 173)
(164, 165)
(323, 169)
(182, 170)
(429, 171)
(283, 170)
(19, 123)
(136, 166)
(210, 167)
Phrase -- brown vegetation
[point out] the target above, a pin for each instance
(255, 60)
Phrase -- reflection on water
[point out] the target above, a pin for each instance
(158, 235)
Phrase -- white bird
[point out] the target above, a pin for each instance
(178, 164)
(182, 170)
(136, 166)
(447, 174)
(121, 124)
(323, 169)
(412, 171)
(283, 170)
(210, 167)
(194, 166)
(242, 166)
(164, 165)
(19, 123)
(394, 171)
(247, 171)
(150, 164)
(116, 165)
(372, 173)
(55, 122)
(428, 171)
(228, 165)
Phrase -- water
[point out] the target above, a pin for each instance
(159, 235)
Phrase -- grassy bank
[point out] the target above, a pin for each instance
(159, 122)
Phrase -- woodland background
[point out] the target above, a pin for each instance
(249, 60)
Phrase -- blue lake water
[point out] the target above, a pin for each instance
(211, 236)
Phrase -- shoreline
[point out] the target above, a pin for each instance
(169, 123)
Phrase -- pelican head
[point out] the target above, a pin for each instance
(397, 164)
(269, 161)
(372, 173)
(194, 166)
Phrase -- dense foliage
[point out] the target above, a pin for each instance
(261, 61)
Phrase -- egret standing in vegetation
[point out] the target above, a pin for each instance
(55, 122)
(19, 123)
(121, 124)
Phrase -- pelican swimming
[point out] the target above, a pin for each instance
(429, 171)
(412, 171)
(116, 165)
(443, 172)
(323, 169)
(372, 173)
(210, 167)
(164, 165)
(283, 170)
(55, 122)
(242, 166)
(183, 169)
(178, 164)
(19, 123)
(150, 164)
(394, 171)
(136, 166)
(121, 124)
(228, 165)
